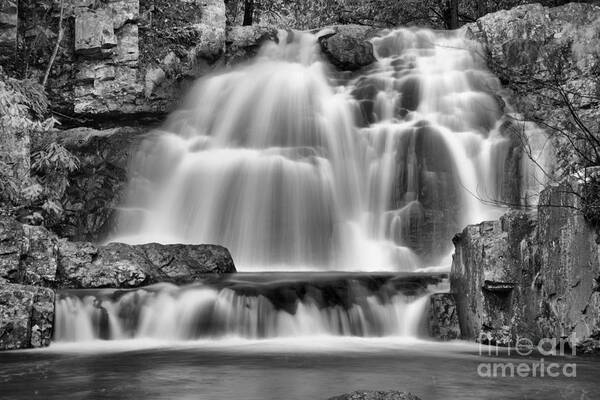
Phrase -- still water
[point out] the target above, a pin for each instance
(313, 368)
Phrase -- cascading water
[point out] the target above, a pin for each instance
(250, 307)
(291, 169)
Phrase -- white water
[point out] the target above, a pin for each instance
(339, 308)
(293, 170)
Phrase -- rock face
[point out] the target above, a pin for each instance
(442, 320)
(97, 187)
(26, 316)
(347, 46)
(534, 276)
(541, 53)
(376, 395)
(133, 58)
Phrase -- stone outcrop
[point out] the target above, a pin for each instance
(541, 54)
(26, 316)
(442, 319)
(32, 255)
(348, 46)
(118, 265)
(534, 276)
(376, 395)
(34, 262)
(134, 58)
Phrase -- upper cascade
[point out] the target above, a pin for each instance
(293, 168)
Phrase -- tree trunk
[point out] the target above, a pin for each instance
(453, 23)
(248, 12)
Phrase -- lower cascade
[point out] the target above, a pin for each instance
(251, 307)
(292, 166)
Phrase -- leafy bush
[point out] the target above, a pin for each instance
(24, 111)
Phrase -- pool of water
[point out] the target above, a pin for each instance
(312, 368)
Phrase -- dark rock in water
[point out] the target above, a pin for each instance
(533, 276)
(443, 317)
(26, 316)
(347, 46)
(183, 263)
(376, 395)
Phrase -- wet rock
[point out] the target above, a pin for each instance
(185, 263)
(26, 316)
(376, 395)
(348, 46)
(243, 42)
(443, 317)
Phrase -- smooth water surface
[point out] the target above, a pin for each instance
(276, 369)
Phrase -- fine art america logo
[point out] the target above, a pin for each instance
(524, 347)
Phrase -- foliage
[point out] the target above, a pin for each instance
(24, 111)
(591, 198)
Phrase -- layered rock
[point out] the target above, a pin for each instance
(133, 58)
(534, 276)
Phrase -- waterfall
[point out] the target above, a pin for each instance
(293, 167)
(250, 307)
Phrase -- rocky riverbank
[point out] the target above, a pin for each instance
(34, 263)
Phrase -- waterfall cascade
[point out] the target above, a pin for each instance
(292, 168)
(250, 307)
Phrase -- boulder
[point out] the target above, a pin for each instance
(348, 46)
(26, 316)
(443, 317)
(83, 265)
(243, 42)
(376, 395)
